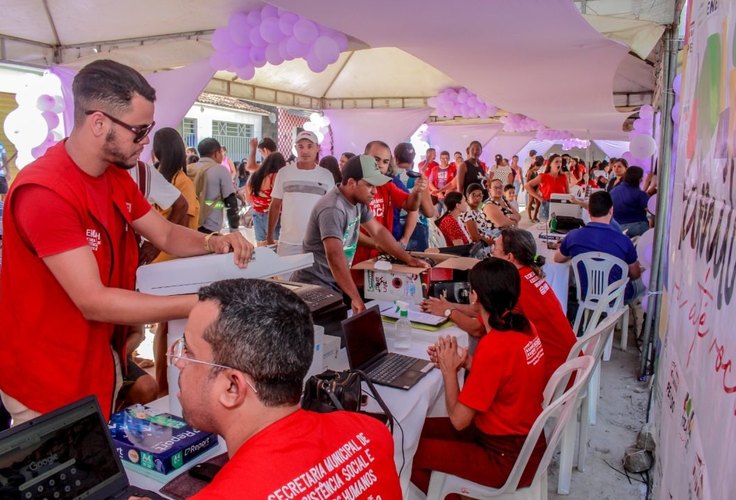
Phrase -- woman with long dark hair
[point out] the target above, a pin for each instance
(258, 194)
(537, 301)
(169, 150)
(449, 224)
(552, 181)
(488, 420)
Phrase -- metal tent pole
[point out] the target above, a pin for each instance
(664, 176)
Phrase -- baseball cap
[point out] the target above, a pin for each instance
(306, 134)
(404, 153)
(364, 167)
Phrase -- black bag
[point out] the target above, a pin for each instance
(331, 391)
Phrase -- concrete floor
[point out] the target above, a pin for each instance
(621, 414)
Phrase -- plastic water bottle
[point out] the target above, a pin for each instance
(403, 326)
(553, 223)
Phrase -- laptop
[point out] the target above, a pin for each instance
(67, 453)
(365, 343)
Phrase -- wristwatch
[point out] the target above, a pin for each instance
(448, 312)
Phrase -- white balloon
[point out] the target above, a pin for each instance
(645, 247)
(23, 159)
(314, 117)
(311, 127)
(25, 128)
(652, 204)
(320, 136)
(642, 146)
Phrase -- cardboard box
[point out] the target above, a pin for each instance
(408, 283)
(160, 442)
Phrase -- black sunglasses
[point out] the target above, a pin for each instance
(140, 131)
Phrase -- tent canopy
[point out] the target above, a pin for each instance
(539, 58)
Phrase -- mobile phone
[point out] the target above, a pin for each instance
(205, 471)
(551, 245)
(413, 174)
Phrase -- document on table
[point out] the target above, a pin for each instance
(416, 315)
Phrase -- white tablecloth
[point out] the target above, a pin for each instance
(409, 408)
(557, 275)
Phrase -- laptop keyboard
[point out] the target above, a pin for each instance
(391, 368)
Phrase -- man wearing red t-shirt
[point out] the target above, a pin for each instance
(442, 177)
(246, 349)
(426, 165)
(388, 197)
(69, 226)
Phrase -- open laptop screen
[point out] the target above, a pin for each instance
(364, 337)
(67, 452)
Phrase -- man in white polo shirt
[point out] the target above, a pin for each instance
(296, 189)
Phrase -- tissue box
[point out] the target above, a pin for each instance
(159, 442)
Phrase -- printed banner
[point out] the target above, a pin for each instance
(696, 378)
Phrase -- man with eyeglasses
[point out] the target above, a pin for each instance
(70, 252)
(245, 352)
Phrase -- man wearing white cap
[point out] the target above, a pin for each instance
(296, 189)
(332, 232)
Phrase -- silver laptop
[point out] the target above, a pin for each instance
(365, 342)
(67, 453)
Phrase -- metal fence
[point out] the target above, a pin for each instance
(233, 136)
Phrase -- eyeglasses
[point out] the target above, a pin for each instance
(179, 351)
(140, 131)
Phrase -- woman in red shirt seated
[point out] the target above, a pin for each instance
(449, 224)
(538, 301)
(502, 397)
(552, 181)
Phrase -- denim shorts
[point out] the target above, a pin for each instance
(260, 226)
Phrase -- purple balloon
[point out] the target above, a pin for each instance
(270, 30)
(220, 39)
(273, 55)
(45, 102)
(676, 113)
(326, 49)
(238, 37)
(258, 56)
(305, 31)
(432, 102)
(296, 49)
(238, 28)
(286, 25)
(52, 119)
(256, 39)
(628, 156)
(315, 64)
(246, 72)
(284, 51)
(39, 150)
(269, 11)
(254, 18)
(240, 58)
(219, 60)
(677, 84)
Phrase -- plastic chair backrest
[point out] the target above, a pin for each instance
(610, 301)
(591, 344)
(559, 409)
(598, 267)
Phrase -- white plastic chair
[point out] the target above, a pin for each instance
(591, 344)
(598, 267)
(557, 411)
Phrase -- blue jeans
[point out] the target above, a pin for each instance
(419, 240)
(635, 228)
(260, 226)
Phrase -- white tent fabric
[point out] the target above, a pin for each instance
(507, 145)
(541, 147)
(613, 149)
(530, 64)
(457, 137)
(352, 129)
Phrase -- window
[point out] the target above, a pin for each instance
(189, 132)
(234, 137)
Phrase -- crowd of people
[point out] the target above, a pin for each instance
(70, 317)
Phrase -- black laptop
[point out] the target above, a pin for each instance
(365, 342)
(67, 453)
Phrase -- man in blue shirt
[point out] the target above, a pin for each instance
(600, 236)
